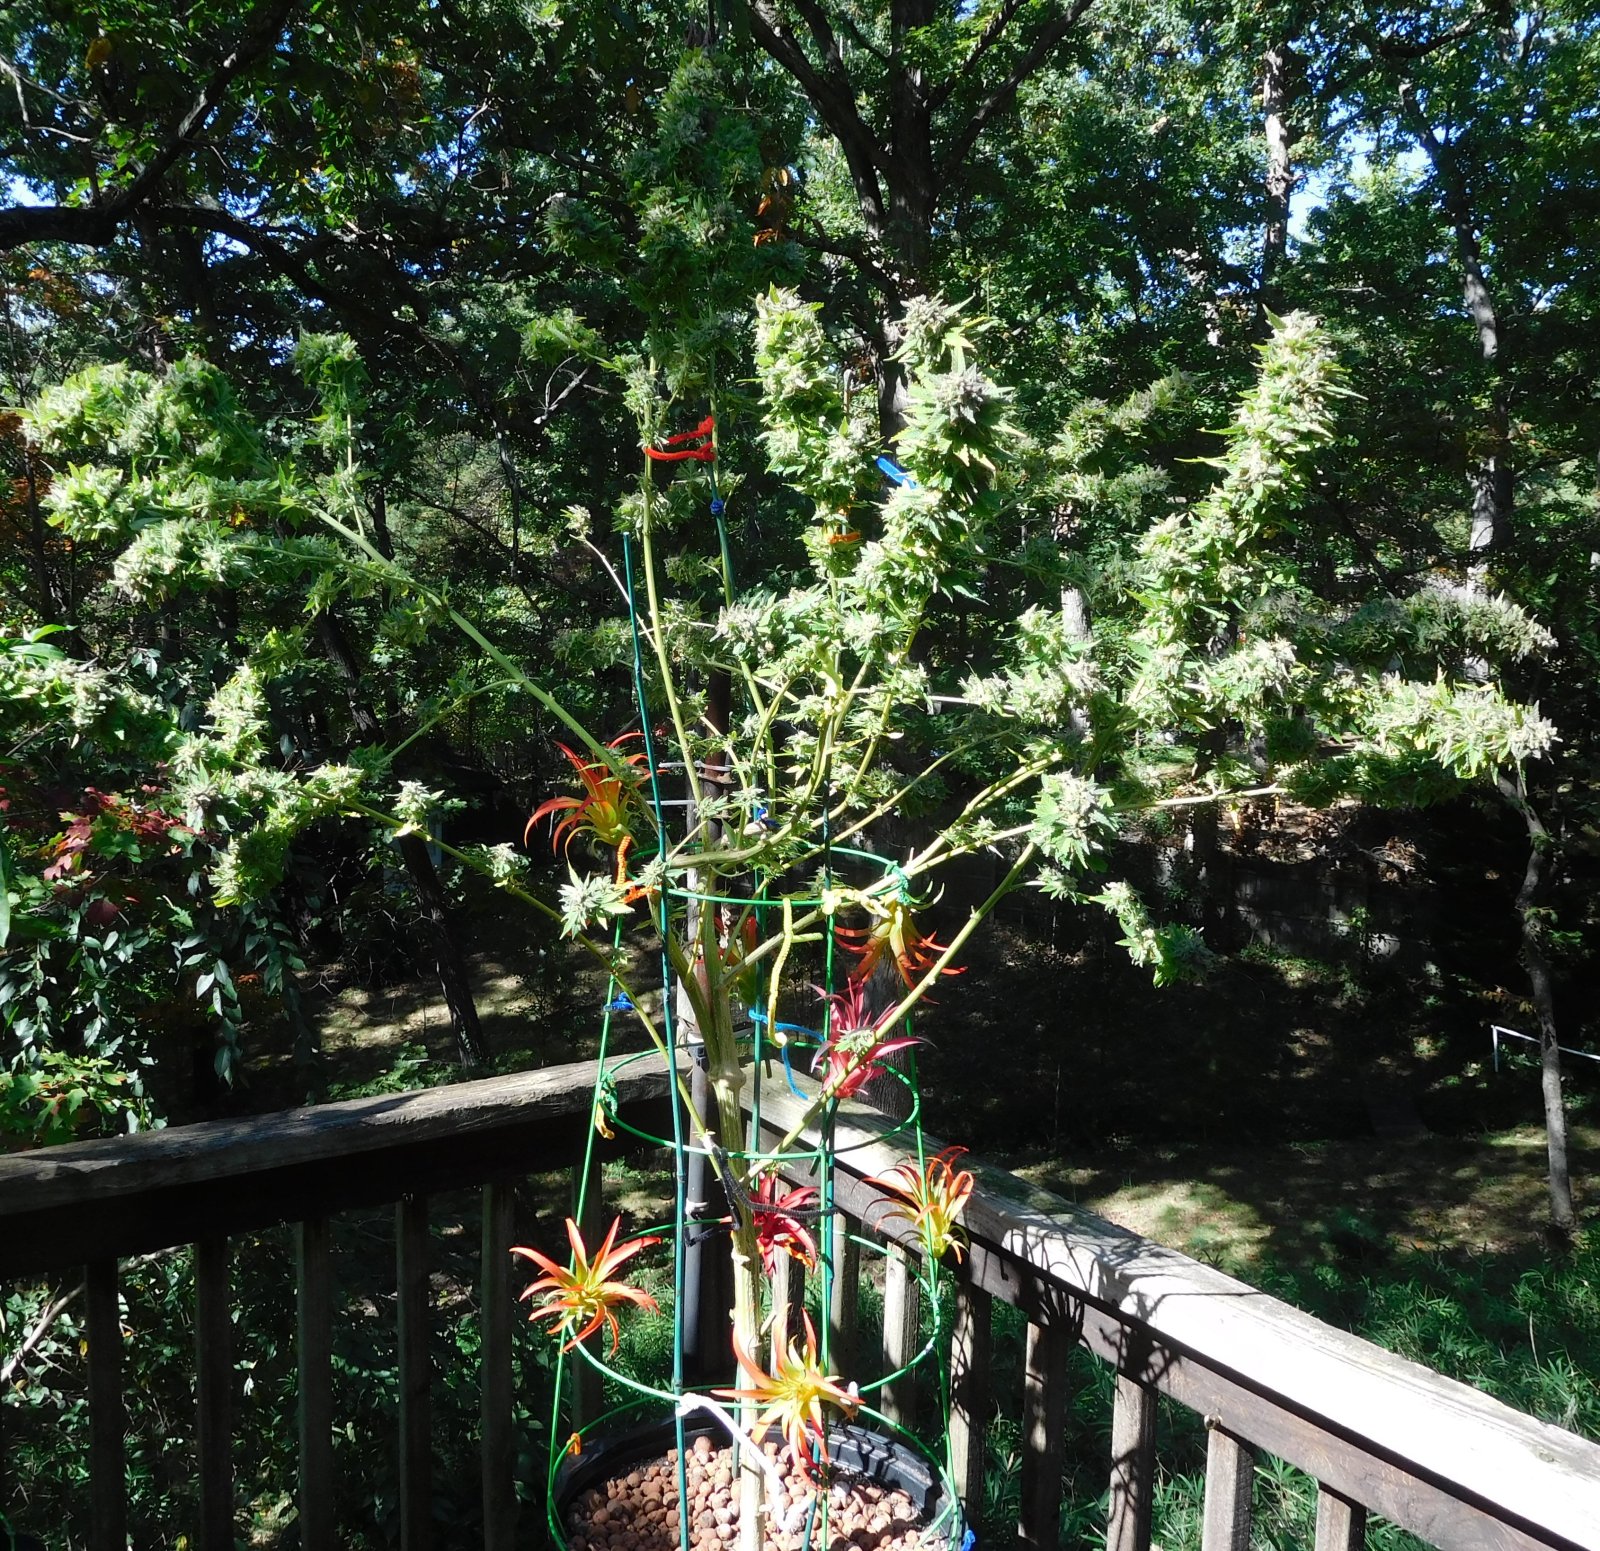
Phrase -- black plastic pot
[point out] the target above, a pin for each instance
(872, 1456)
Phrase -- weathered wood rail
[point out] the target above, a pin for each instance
(1378, 1433)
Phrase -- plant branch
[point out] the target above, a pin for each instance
(38, 1331)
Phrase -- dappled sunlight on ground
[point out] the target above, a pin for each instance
(1345, 1200)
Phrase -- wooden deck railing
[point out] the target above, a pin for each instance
(1455, 1467)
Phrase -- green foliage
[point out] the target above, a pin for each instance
(58, 1097)
(49, 1450)
(1085, 620)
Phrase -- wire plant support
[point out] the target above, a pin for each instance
(729, 948)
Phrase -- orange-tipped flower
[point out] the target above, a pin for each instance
(930, 1199)
(892, 932)
(793, 1397)
(606, 810)
(579, 1298)
(777, 1228)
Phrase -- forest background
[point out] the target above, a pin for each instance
(381, 259)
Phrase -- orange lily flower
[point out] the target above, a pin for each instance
(930, 1199)
(605, 811)
(793, 1397)
(892, 932)
(583, 1295)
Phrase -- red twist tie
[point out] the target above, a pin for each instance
(705, 453)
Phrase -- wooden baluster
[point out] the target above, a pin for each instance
(1044, 1410)
(1133, 1460)
(969, 1394)
(5, 1457)
(108, 1474)
(902, 1326)
(788, 1297)
(1341, 1524)
(588, 1388)
(416, 1446)
(846, 1256)
(314, 1361)
(213, 1322)
(1230, 1474)
(499, 1450)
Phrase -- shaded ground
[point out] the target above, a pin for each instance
(1239, 1120)
(1287, 1105)
(1347, 1201)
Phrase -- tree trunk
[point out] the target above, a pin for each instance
(1491, 479)
(911, 194)
(1532, 911)
(1279, 89)
(379, 512)
(454, 981)
(1492, 496)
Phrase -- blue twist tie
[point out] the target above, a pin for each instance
(794, 1087)
(619, 1003)
(968, 1541)
(897, 474)
(716, 506)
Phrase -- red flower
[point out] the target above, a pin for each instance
(854, 1052)
(776, 1226)
(607, 809)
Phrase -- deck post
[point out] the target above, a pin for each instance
(314, 1362)
(902, 1326)
(1133, 1459)
(499, 1452)
(1341, 1524)
(213, 1323)
(416, 1442)
(969, 1394)
(1230, 1474)
(1044, 1409)
(108, 1472)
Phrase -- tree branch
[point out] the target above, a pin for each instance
(96, 224)
(986, 40)
(832, 96)
(1393, 48)
(838, 248)
(1049, 39)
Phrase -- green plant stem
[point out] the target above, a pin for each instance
(659, 642)
(390, 575)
